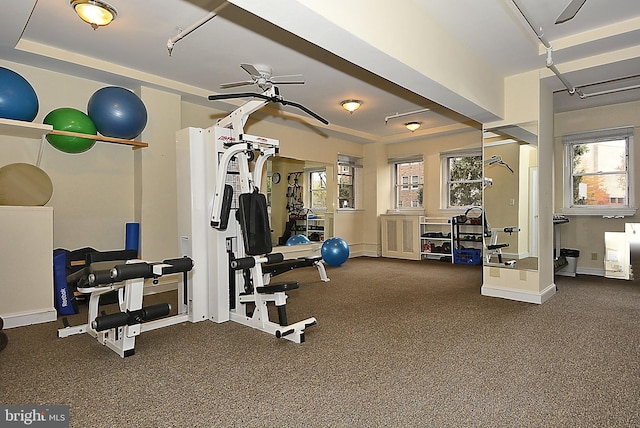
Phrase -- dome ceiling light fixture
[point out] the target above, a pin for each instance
(412, 126)
(351, 105)
(94, 12)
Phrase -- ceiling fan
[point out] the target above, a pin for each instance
(570, 11)
(262, 75)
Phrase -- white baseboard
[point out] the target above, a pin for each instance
(363, 253)
(28, 318)
(590, 271)
(519, 295)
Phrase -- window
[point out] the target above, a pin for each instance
(318, 189)
(347, 180)
(408, 182)
(405, 183)
(598, 178)
(461, 178)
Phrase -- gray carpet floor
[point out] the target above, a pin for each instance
(398, 344)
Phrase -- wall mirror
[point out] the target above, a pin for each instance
(510, 157)
(300, 197)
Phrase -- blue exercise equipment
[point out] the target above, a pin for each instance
(18, 99)
(297, 240)
(117, 112)
(335, 251)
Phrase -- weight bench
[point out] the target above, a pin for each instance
(249, 306)
(493, 248)
(270, 270)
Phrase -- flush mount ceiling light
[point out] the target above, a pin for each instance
(351, 105)
(412, 126)
(94, 12)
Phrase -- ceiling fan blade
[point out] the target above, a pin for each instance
(570, 11)
(290, 78)
(251, 69)
(235, 84)
(289, 82)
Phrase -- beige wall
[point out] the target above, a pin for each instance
(93, 192)
(97, 192)
(431, 148)
(586, 233)
(26, 265)
(155, 171)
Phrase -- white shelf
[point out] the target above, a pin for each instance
(435, 225)
(19, 128)
(311, 225)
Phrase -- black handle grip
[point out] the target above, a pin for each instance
(243, 263)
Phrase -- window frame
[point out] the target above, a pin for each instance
(355, 164)
(309, 172)
(445, 179)
(591, 137)
(406, 183)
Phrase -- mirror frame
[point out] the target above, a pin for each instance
(525, 165)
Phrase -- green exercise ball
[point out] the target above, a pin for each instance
(72, 120)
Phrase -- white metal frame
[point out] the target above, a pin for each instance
(203, 157)
(122, 339)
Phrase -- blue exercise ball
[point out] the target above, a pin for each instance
(117, 112)
(18, 99)
(297, 240)
(335, 251)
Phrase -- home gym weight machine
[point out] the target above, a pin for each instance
(118, 330)
(231, 251)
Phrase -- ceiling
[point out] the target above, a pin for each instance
(601, 44)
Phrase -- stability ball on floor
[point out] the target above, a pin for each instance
(335, 251)
(72, 120)
(117, 112)
(297, 240)
(18, 99)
